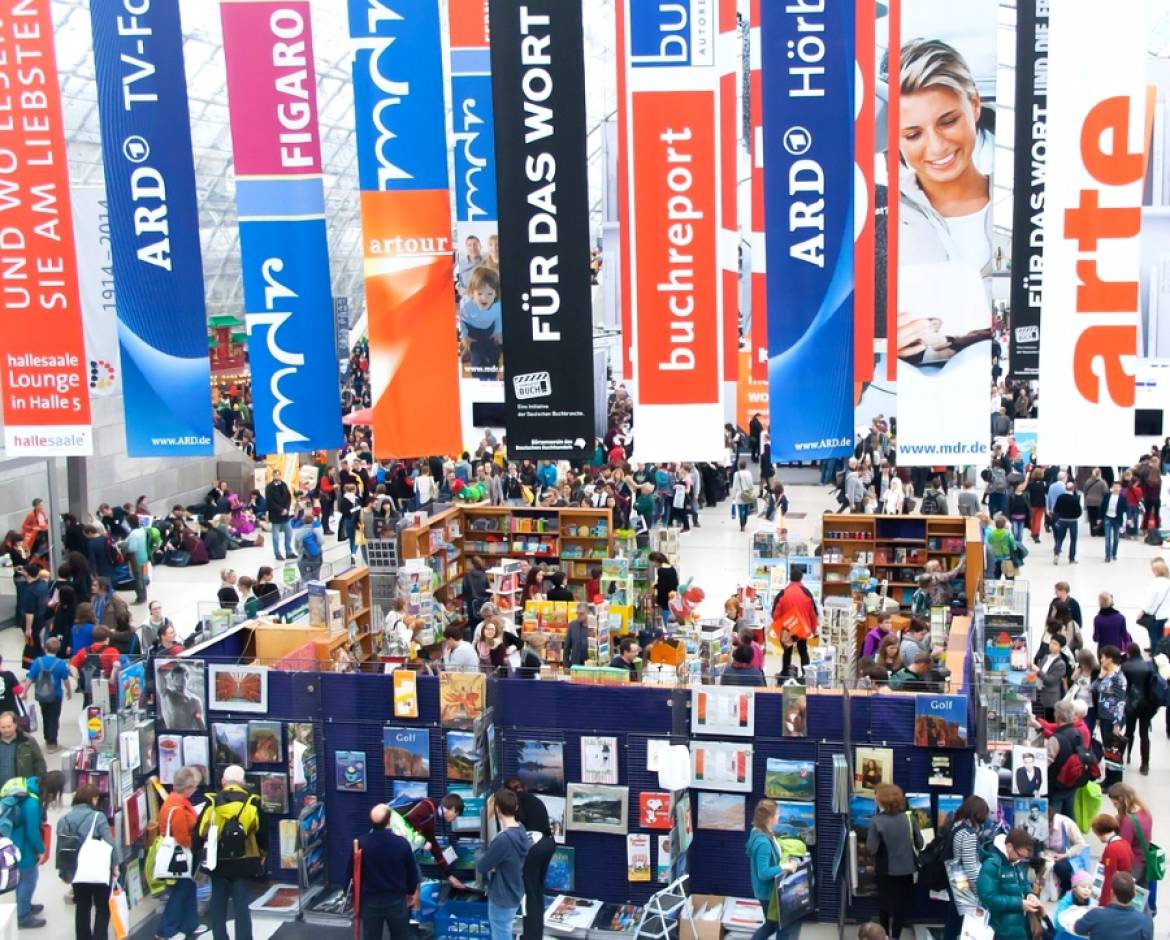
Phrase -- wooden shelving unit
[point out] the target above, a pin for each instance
(897, 548)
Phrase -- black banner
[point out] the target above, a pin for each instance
(538, 92)
(1031, 153)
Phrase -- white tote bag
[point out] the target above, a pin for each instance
(171, 860)
(93, 859)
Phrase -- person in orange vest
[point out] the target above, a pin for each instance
(795, 615)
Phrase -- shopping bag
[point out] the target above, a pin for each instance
(211, 846)
(171, 860)
(119, 913)
(1086, 804)
(93, 859)
(976, 927)
(794, 892)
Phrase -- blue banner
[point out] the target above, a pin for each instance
(154, 227)
(808, 75)
(474, 135)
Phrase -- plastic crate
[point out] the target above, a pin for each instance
(462, 919)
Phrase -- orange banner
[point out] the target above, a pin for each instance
(42, 347)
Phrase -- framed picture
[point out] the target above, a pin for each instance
(406, 752)
(723, 711)
(596, 808)
(541, 765)
(265, 744)
(795, 711)
(790, 780)
(1031, 815)
(723, 811)
(940, 721)
(231, 743)
(350, 771)
(721, 765)
(237, 688)
(1030, 777)
(180, 687)
(599, 760)
(462, 757)
(872, 766)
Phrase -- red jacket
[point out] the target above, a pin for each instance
(1048, 728)
(1118, 856)
(796, 597)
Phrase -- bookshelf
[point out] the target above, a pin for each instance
(896, 549)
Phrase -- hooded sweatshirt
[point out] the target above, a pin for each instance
(504, 860)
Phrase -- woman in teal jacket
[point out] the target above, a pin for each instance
(1005, 887)
(768, 861)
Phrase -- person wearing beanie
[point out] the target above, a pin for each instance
(1080, 895)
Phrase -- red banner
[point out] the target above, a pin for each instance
(42, 346)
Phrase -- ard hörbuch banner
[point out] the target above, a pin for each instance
(808, 81)
(284, 251)
(154, 227)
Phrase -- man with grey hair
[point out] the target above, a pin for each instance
(240, 850)
(390, 879)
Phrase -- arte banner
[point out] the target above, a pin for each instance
(154, 227)
(1030, 161)
(673, 222)
(538, 94)
(95, 284)
(728, 55)
(758, 331)
(1097, 122)
(808, 88)
(42, 348)
(476, 207)
(284, 250)
(942, 95)
(400, 109)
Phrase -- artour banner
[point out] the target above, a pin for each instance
(1090, 315)
(400, 109)
(808, 84)
(154, 228)
(95, 284)
(42, 349)
(477, 243)
(942, 91)
(1030, 158)
(538, 94)
(284, 251)
(673, 223)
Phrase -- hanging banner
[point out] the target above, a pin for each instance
(154, 228)
(757, 239)
(538, 93)
(476, 213)
(42, 347)
(864, 140)
(808, 178)
(673, 224)
(284, 251)
(727, 53)
(623, 159)
(1097, 120)
(751, 396)
(1031, 159)
(406, 228)
(95, 284)
(945, 248)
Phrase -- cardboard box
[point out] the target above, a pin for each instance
(704, 920)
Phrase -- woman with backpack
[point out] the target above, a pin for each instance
(1136, 826)
(91, 915)
(49, 682)
(966, 825)
(893, 841)
(1140, 703)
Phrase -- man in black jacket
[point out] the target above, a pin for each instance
(1066, 513)
(390, 879)
(577, 639)
(279, 500)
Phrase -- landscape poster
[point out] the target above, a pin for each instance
(406, 752)
(796, 821)
(790, 780)
(540, 765)
(940, 720)
(461, 756)
(596, 808)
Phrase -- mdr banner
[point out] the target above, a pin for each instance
(284, 250)
(42, 348)
(943, 99)
(154, 228)
(538, 94)
(673, 221)
(1090, 316)
(808, 86)
(406, 227)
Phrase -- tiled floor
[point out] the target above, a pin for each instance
(716, 555)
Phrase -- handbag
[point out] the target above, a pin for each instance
(93, 859)
(119, 913)
(172, 860)
(1148, 620)
(1154, 855)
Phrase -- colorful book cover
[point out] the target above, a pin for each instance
(350, 769)
(637, 856)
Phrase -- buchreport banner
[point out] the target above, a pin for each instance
(400, 108)
(943, 97)
(538, 93)
(42, 348)
(1031, 159)
(284, 250)
(154, 228)
(808, 158)
(673, 221)
(1090, 316)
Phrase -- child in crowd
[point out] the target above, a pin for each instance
(1078, 896)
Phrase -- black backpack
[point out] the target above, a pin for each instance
(45, 688)
(929, 505)
(232, 844)
(932, 868)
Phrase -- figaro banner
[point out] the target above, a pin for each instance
(154, 227)
(1097, 122)
(42, 347)
(284, 251)
(538, 94)
(406, 227)
(673, 222)
(808, 82)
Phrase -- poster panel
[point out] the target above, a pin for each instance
(95, 282)
(42, 347)
(808, 88)
(1030, 160)
(673, 224)
(153, 228)
(284, 252)
(1090, 310)
(946, 252)
(400, 112)
(538, 94)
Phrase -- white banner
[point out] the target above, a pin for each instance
(1092, 225)
(95, 282)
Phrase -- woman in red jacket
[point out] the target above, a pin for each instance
(1118, 855)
